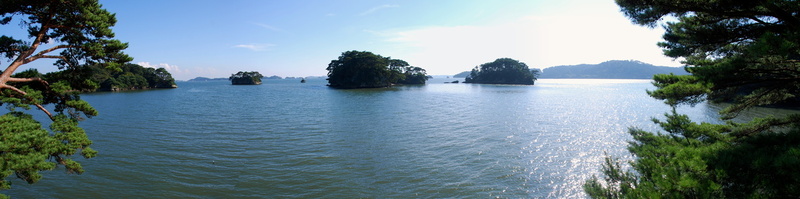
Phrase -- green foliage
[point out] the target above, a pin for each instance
(502, 71)
(22, 136)
(362, 69)
(80, 39)
(744, 52)
(706, 161)
(620, 182)
(679, 89)
(27, 147)
(413, 75)
(246, 78)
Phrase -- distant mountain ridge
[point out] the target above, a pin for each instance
(615, 69)
(462, 74)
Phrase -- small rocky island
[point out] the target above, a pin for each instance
(246, 78)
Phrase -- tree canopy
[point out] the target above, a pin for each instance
(362, 69)
(502, 71)
(77, 34)
(743, 52)
(246, 78)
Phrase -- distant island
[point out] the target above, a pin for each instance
(274, 77)
(502, 71)
(205, 79)
(246, 78)
(615, 69)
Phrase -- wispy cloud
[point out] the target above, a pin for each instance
(376, 8)
(269, 27)
(254, 47)
(185, 73)
(170, 68)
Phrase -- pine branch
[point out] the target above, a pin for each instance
(15, 89)
(14, 79)
(42, 54)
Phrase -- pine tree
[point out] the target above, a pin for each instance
(743, 52)
(81, 32)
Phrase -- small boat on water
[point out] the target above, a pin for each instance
(303, 80)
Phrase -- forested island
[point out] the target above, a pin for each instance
(502, 71)
(132, 77)
(246, 78)
(90, 78)
(363, 69)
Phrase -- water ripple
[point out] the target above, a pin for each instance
(285, 139)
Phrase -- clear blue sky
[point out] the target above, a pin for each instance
(300, 37)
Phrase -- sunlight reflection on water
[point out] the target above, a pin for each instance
(286, 139)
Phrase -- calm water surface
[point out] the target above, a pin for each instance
(287, 139)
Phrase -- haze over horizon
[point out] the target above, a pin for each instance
(299, 38)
